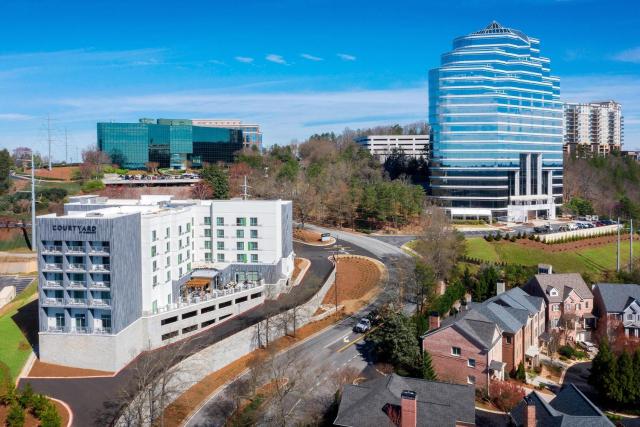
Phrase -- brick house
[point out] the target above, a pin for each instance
(569, 303)
(486, 340)
(617, 305)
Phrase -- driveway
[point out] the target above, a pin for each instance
(578, 375)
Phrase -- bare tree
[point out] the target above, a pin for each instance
(93, 162)
(201, 190)
(152, 167)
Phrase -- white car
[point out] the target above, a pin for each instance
(363, 325)
(589, 346)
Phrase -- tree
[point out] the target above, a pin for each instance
(217, 179)
(579, 206)
(505, 395)
(428, 373)
(6, 163)
(625, 378)
(521, 374)
(93, 162)
(201, 190)
(395, 341)
(152, 167)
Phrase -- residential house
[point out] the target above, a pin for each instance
(407, 402)
(485, 340)
(618, 304)
(569, 408)
(569, 303)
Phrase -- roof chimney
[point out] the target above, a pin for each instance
(408, 409)
(434, 320)
(529, 418)
(545, 269)
(500, 288)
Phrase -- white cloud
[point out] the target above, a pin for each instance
(629, 55)
(148, 56)
(346, 57)
(311, 57)
(275, 58)
(245, 59)
(12, 117)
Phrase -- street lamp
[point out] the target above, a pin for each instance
(338, 250)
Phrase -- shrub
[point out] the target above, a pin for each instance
(513, 238)
(93, 185)
(566, 351)
(498, 236)
(505, 395)
(537, 369)
(15, 417)
(531, 237)
(489, 238)
(50, 417)
(521, 374)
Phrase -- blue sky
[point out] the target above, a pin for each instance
(296, 67)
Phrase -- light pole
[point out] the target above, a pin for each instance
(33, 205)
(338, 250)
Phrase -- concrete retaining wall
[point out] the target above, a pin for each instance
(582, 233)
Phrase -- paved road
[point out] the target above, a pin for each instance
(578, 374)
(94, 400)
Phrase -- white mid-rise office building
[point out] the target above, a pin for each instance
(381, 146)
(120, 276)
(593, 128)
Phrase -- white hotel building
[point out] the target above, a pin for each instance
(381, 146)
(120, 276)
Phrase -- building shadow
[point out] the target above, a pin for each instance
(27, 320)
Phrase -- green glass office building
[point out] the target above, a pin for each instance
(169, 142)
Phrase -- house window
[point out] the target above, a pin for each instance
(471, 379)
(509, 339)
(240, 234)
(240, 246)
(555, 307)
(220, 246)
(207, 220)
(254, 222)
(455, 351)
(254, 258)
(219, 220)
(471, 363)
(586, 304)
(629, 316)
(254, 234)
(241, 222)
(220, 234)
(220, 257)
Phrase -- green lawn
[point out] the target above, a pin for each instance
(15, 350)
(590, 260)
(15, 243)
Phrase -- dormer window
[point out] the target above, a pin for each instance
(553, 292)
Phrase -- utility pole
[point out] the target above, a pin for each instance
(66, 147)
(33, 204)
(245, 189)
(49, 138)
(630, 245)
(618, 247)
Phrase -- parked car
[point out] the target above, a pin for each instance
(543, 229)
(587, 345)
(363, 325)
(374, 316)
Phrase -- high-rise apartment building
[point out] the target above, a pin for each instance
(496, 119)
(174, 143)
(252, 136)
(119, 276)
(593, 128)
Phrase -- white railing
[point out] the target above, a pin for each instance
(76, 266)
(53, 283)
(55, 329)
(101, 302)
(75, 249)
(99, 250)
(77, 284)
(102, 331)
(100, 267)
(53, 266)
(77, 301)
(80, 330)
(50, 248)
(101, 285)
(53, 301)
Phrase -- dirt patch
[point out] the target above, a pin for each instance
(358, 280)
(307, 236)
(63, 412)
(184, 405)
(128, 192)
(41, 369)
(63, 173)
(592, 242)
(31, 421)
(298, 265)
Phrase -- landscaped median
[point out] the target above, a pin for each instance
(311, 237)
(358, 280)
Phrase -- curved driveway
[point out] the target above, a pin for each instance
(94, 400)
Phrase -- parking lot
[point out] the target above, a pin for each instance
(20, 282)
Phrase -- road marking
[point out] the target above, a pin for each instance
(341, 349)
(335, 341)
(345, 339)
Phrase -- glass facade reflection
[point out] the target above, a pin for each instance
(171, 143)
(497, 129)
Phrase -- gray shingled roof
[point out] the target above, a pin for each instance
(615, 296)
(561, 282)
(570, 408)
(438, 404)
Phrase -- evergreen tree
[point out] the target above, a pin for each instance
(636, 377)
(599, 363)
(217, 179)
(625, 392)
(521, 374)
(428, 373)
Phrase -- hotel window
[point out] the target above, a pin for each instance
(253, 222)
(188, 254)
(220, 257)
(168, 233)
(220, 246)
(180, 259)
(179, 230)
(471, 363)
(471, 379)
(155, 265)
(220, 234)
(168, 247)
(59, 320)
(153, 251)
(241, 222)
(154, 306)
(188, 227)
(168, 261)
(254, 234)
(240, 234)
(155, 280)
(180, 271)
(219, 220)
(240, 246)
(253, 246)
(207, 256)
(154, 236)
(242, 258)
(207, 244)
(168, 276)
(207, 232)
(81, 320)
(254, 257)
(207, 220)
(188, 240)
(455, 351)
(169, 299)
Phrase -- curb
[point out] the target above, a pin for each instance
(67, 407)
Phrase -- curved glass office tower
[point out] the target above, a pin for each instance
(496, 119)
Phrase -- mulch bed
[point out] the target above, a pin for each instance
(592, 242)
(41, 369)
(306, 235)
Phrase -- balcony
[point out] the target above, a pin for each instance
(80, 330)
(75, 267)
(102, 302)
(75, 249)
(55, 329)
(100, 267)
(77, 301)
(53, 266)
(52, 249)
(99, 250)
(100, 285)
(53, 284)
(78, 284)
(104, 331)
(53, 301)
